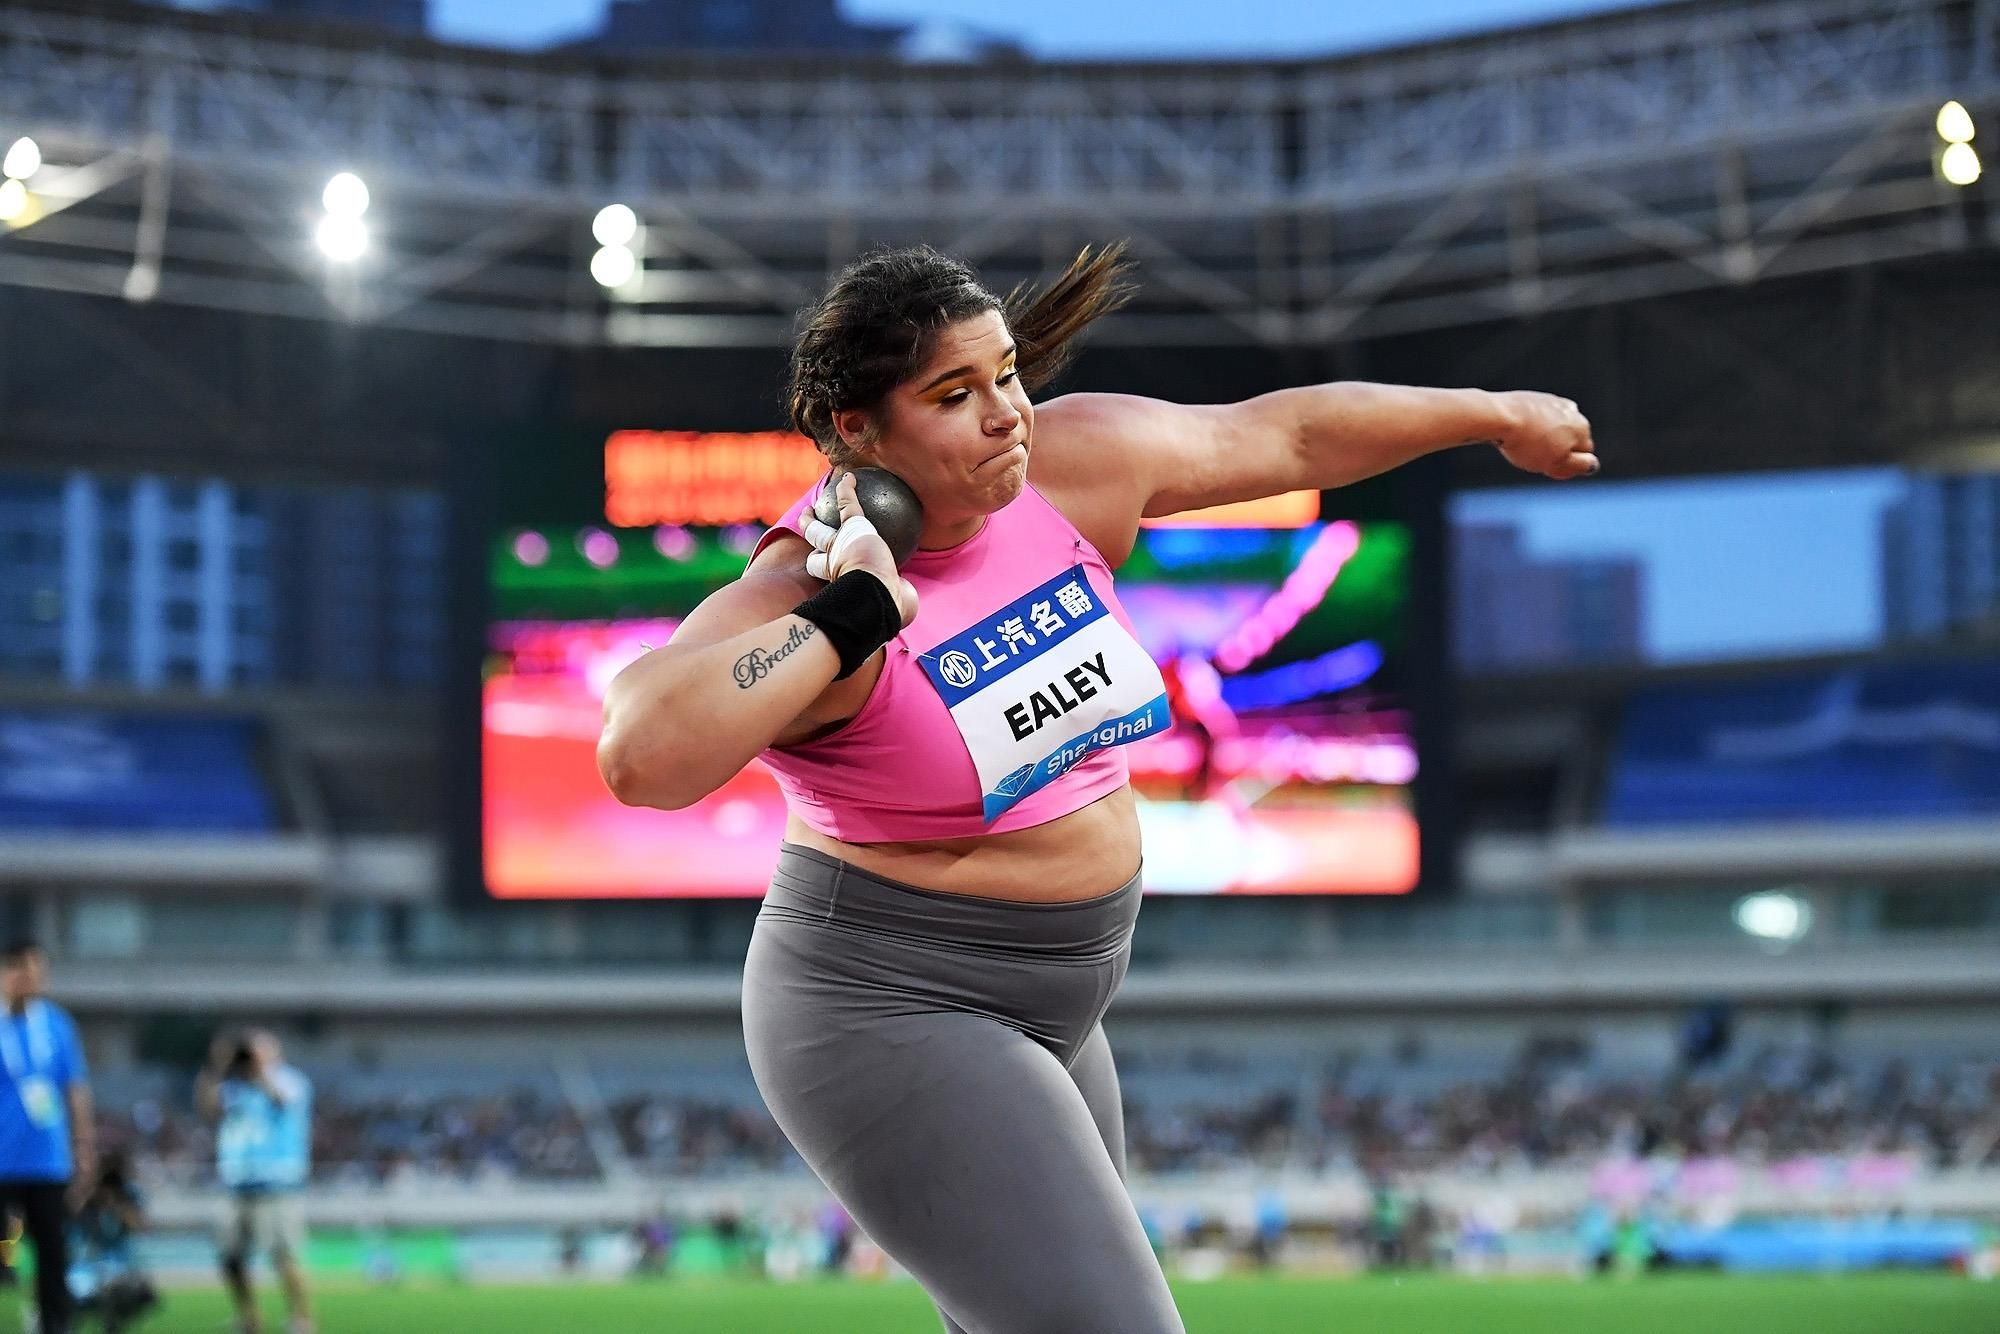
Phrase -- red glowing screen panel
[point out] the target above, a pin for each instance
(729, 477)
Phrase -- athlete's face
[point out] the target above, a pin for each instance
(958, 431)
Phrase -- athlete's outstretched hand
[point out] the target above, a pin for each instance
(1548, 436)
(854, 545)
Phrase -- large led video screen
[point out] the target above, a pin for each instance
(1283, 638)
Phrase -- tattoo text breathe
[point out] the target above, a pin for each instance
(757, 664)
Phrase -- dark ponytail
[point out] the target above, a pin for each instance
(1045, 323)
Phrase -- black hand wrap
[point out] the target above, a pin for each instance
(857, 613)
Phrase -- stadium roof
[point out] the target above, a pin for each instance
(1290, 204)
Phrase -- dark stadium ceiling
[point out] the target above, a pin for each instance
(1596, 161)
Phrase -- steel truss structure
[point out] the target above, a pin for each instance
(1292, 205)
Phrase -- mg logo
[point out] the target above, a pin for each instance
(957, 669)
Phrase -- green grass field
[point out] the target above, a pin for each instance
(1876, 1304)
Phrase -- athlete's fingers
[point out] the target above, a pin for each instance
(845, 496)
(821, 535)
(816, 566)
(852, 530)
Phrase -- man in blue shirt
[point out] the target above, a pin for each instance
(262, 1110)
(47, 1145)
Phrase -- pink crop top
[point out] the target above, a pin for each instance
(1002, 706)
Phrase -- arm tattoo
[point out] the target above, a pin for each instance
(758, 663)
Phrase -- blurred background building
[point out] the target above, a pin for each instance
(1941, 558)
(404, 16)
(1509, 610)
(800, 26)
(1718, 750)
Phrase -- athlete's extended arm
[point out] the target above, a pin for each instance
(1112, 458)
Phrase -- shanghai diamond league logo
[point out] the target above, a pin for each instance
(1014, 782)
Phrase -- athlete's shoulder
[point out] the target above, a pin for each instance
(1076, 429)
(1088, 460)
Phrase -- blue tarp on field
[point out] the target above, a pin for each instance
(1819, 1244)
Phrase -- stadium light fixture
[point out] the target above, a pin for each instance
(1954, 123)
(341, 238)
(13, 200)
(613, 266)
(614, 225)
(24, 159)
(1960, 164)
(345, 196)
(1774, 916)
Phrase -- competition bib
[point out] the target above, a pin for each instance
(38, 1100)
(36, 1090)
(1038, 685)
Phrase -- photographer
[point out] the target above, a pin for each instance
(106, 1277)
(262, 1111)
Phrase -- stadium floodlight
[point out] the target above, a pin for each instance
(13, 200)
(613, 266)
(345, 196)
(1960, 164)
(1774, 916)
(341, 238)
(142, 283)
(24, 159)
(1954, 123)
(614, 225)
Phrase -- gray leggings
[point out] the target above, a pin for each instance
(937, 1060)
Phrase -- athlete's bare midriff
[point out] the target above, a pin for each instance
(1082, 855)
